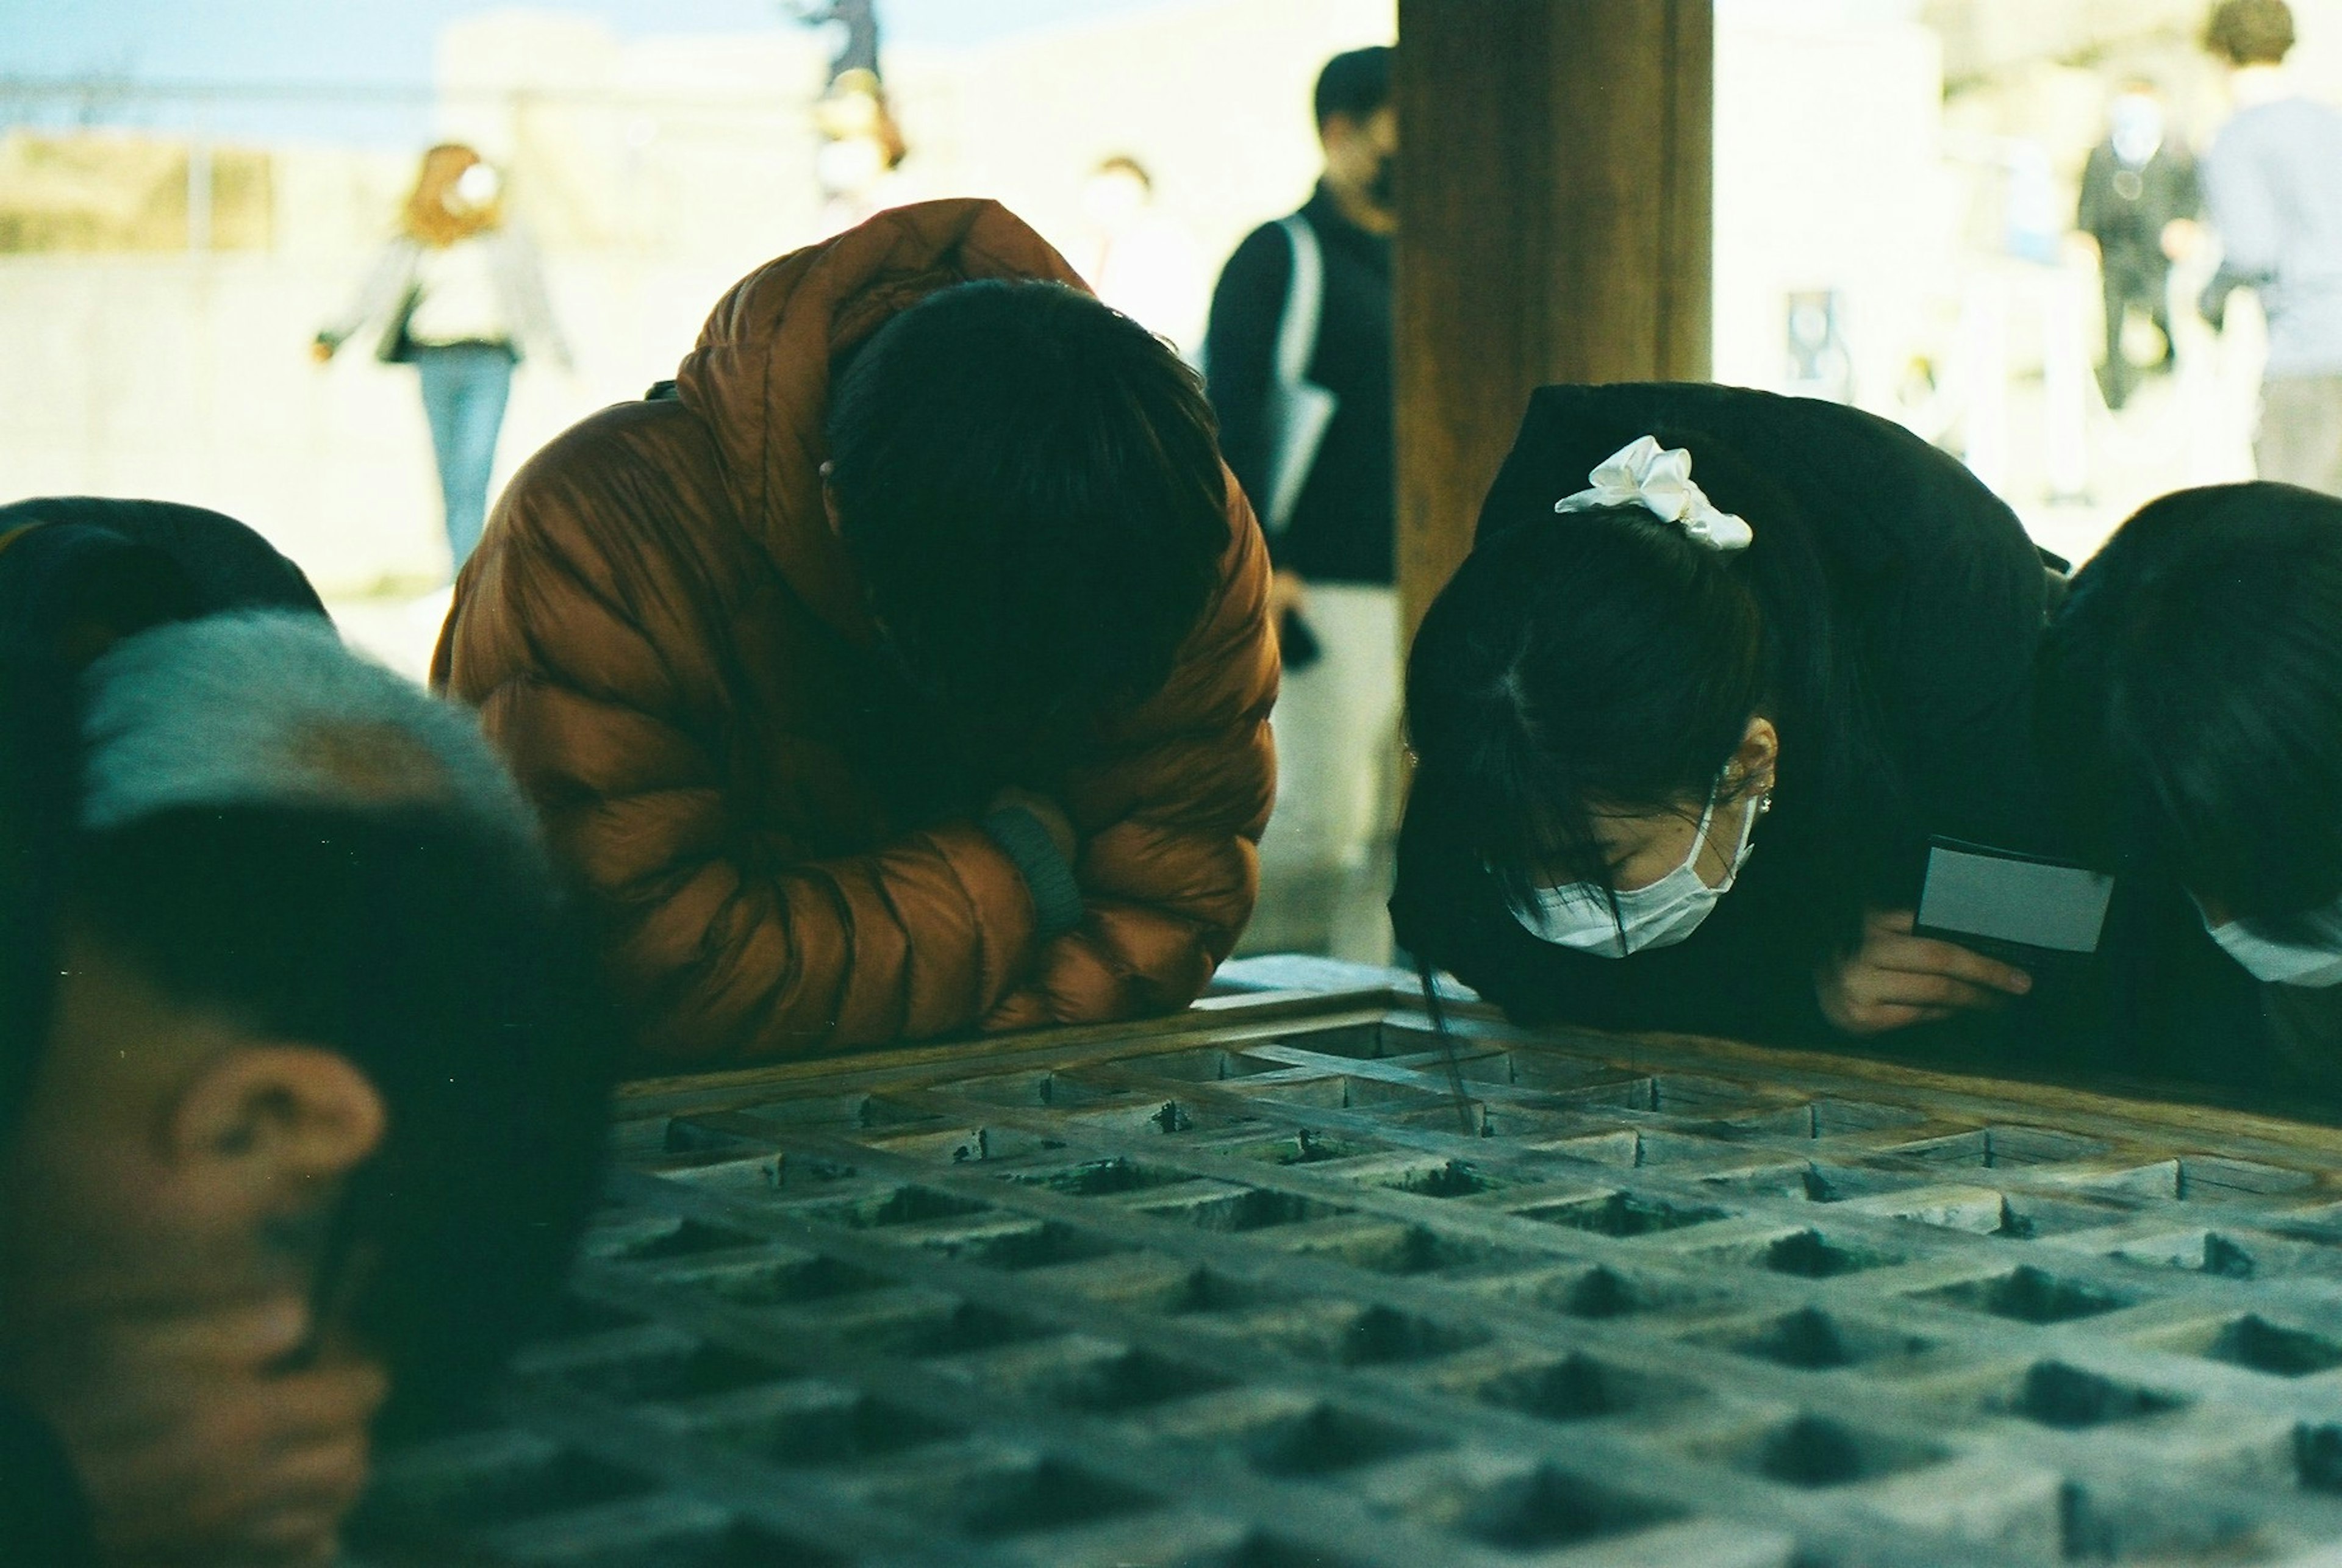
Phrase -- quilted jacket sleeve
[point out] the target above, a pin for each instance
(1171, 819)
(731, 946)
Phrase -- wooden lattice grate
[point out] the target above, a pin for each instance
(1247, 1289)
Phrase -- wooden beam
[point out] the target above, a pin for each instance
(1554, 225)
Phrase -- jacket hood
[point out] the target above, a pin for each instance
(759, 376)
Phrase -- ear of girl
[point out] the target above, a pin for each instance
(1768, 597)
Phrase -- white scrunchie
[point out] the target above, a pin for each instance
(1658, 479)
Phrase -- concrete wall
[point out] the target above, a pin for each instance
(654, 172)
(189, 379)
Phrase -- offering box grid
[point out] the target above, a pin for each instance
(1278, 1281)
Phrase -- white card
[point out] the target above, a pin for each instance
(1983, 893)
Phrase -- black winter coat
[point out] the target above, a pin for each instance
(1937, 598)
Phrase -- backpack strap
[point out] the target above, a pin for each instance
(1301, 409)
(1304, 302)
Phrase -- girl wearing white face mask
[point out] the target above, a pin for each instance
(2191, 693)
(1654, 644)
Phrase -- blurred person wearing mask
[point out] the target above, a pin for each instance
(899, 670)
(2190, 705)
(2273, 187)
(2140, 201)
(459, 295)
(1298, 360)
(280, 942)
(1142, 262)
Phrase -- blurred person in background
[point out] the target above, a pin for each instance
(2139, 206)
(899, 670)
(860, 161)
(1141, 262)
(1298, 360)
(2273, 187)
(459, 295)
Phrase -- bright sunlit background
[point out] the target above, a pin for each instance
(188, 193)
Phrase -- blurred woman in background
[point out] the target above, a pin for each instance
(459, 295)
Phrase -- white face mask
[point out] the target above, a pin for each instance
(2317, 964)
(1668, 911)
(2137, 128)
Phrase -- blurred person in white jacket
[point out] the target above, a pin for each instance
(459, 295)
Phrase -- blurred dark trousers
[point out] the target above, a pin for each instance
(465, 385)
(2299, 441)
(2129, 287)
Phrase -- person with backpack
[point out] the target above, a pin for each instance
(1297, 359)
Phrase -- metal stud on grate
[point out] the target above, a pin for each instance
(1238, 1289)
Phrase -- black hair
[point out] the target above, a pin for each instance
(1514, 686)
(225, 565)
(2250, 31)
(1030, 485)
(439, 959)
(1604, 657)
(1356, 84)
(40, 755)
(2190, 695)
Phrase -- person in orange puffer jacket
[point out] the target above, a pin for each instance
(900, 669)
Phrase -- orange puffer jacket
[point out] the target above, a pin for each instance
(661, 630)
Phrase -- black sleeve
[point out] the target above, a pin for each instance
(1952, 652)
(2090, 217)
(1240, 353)
(43, 1519)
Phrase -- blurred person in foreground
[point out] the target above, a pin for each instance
(2139, 203)
(459, 295)
(900, 669)
(297, 1099)
(2273, 187)
(1298, 356)
(2190, 701)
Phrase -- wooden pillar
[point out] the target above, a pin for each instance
(1555, 220)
